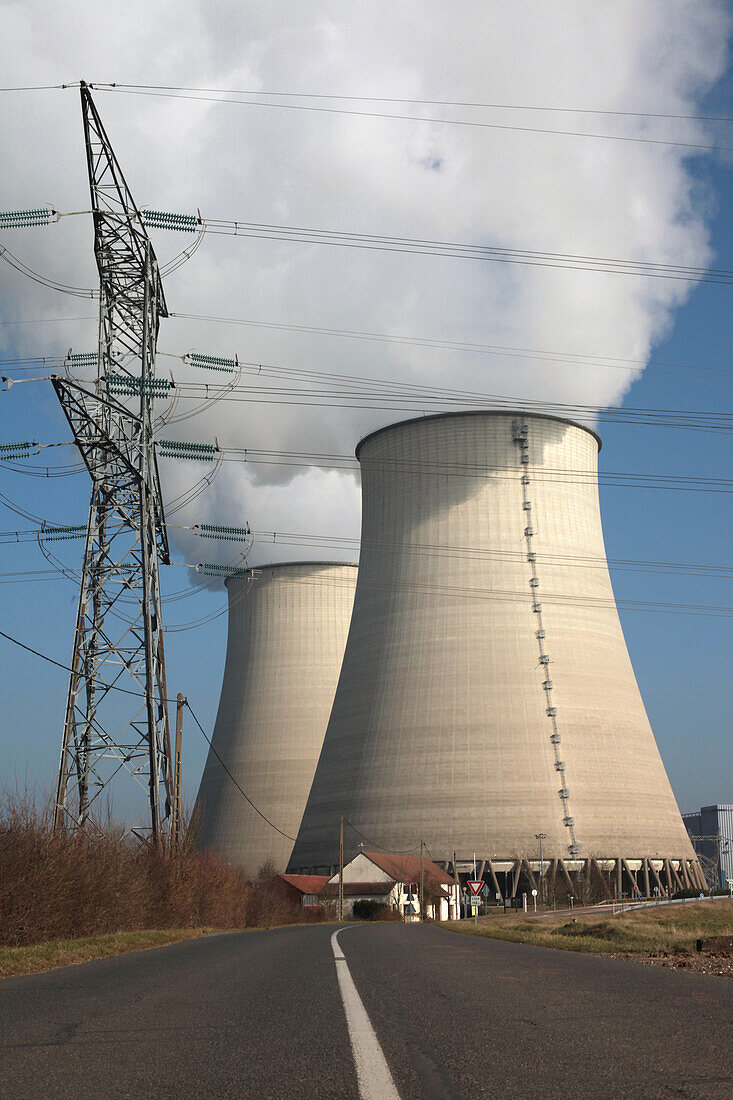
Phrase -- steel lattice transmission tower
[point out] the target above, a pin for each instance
(116, 720)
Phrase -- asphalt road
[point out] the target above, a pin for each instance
(260, 1014)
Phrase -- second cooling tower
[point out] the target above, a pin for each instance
(287, 631)
(486, 694)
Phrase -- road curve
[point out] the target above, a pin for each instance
(260, 1014)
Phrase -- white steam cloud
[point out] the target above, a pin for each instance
(364, 174)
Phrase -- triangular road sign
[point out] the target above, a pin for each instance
(475, 886)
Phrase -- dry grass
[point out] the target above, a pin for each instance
(45, 956)
(55, 889)
(667, 928)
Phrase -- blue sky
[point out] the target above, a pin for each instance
(373, 176)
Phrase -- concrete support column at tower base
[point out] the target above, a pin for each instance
(585, 880)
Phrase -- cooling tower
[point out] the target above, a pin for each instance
(486, 694)
(287, 631)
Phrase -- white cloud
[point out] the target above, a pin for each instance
(418, 179)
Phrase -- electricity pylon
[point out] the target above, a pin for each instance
(116, 720)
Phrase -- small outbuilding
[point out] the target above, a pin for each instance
(304, 890)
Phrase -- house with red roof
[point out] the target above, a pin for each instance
(394, 880)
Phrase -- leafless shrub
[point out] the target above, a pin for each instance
(66, 886)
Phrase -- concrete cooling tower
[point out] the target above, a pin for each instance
(486, 694)
(287, 631)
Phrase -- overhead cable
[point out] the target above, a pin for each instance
(568, 357)
(125, 691)
(419, 246)
(447, 591)
(472, 123)
(388, 99)
(243, 793)
(49, 320)
(423, 102)
(416, 402)
(352, 544)
(41, 87)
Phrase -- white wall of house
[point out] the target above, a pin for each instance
(361, 869)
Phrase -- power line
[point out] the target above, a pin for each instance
(234, 781)
(486, 594)
(714, 571)
(604, 362)
(66, 668)
(422, 102)
(88, 292)
(380, 847)
(19, 361)
(43, 280)
(48, 320)
(462, 592)
(347, 462)
(419, 246)
(36, 653)
(490, 473)
(346, 543)
(700, 419)
(697, 418)
(411, 391)
(367, 396)
(688, 419)
(21, 511)
(474, 124)
(416, 246)
(574, 358)
(513, 351)
(389, 99)
(125, 691)
(41, 87)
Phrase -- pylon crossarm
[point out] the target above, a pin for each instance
(84, 410)
(115, 455)
(120, 239)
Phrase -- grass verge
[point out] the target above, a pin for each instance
(645, 931)
(35, 957)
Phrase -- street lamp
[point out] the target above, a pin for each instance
(541, 837)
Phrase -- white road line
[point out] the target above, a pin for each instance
(372, 1071)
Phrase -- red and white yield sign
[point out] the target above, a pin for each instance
(475, 886)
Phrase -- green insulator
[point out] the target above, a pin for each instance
(229, 534)
(174, 449)
(212, 362)
(130, 386)
(54, 534)
(22, 449)
(15, 219)
(160, 219)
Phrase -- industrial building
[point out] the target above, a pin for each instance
(711, 833)
(487, 703)
(287, 631)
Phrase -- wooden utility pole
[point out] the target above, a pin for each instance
(422, 880)
(176, 807)
(457, 881)
(341, 869)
